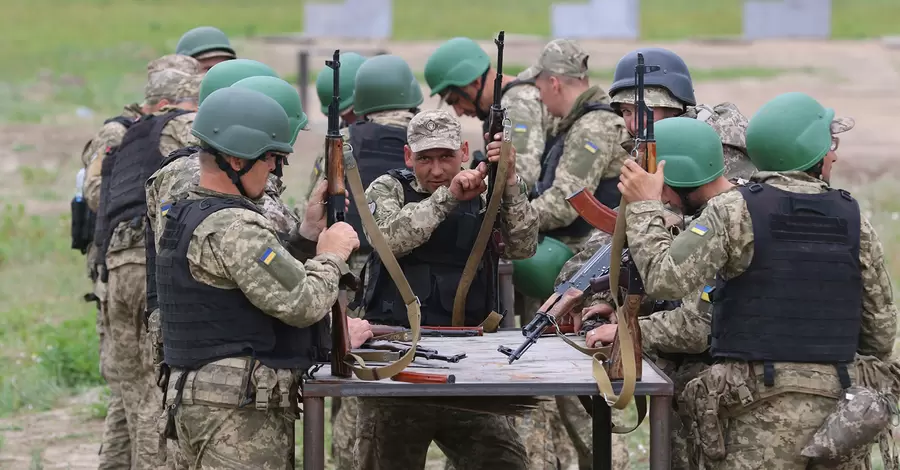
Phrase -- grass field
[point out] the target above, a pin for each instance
(60, 54)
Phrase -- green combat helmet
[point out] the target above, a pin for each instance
(536, 276)
(282, 92)
(792, 132)
(225, 74)
(385, 82)
(204, 42)
(350, 63)
(242, 123)
(456, 63)
(692, 152)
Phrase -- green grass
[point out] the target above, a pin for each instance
(60, 54)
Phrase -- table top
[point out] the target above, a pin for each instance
(549, 367)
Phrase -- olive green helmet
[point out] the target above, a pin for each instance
(536, 276)
(225, 74)
(350, 62)
(242, 123)
(692, 151)
(456, 63)
(790, 132)
(385, 82)
(282, 92)
(204, 42)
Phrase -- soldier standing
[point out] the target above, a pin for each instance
(430, 217)
(242, 319)
(207, 44)
(790, 255)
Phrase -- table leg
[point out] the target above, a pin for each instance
(602, 430)
(660, 432)
(313, 433)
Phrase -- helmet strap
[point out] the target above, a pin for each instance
(816, 170)
(234, 176)
(687, 208)
(480, 113)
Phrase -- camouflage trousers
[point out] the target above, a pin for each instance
(115, 446)
(211, 438)
(343, 432)
(774, 433)
(125, 369)
(396, 434)
(579, 426)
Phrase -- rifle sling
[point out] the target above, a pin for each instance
(376, 238)
(492, 322)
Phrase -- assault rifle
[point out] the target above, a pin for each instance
(592, 277)
(373, 349)
(335, 206)
(399, 333)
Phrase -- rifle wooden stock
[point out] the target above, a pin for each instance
(632, 306)
(564, 329)
(420, 378)
(593, 211)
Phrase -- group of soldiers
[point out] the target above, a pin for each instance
(215, 295)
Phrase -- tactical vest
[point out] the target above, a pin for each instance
(124, 172)
(432, 269)
(150, 240)
(377, 149)
(607, 191)
(800, 300)
(202, 324)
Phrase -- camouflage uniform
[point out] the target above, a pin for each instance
(126, 297)
(396, 433)
(223, 253)
(530, 125)
(775, 429)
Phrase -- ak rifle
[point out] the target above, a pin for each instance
(335, 206)
(399, 333)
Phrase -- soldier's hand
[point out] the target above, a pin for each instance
(493, 155)
(635, 184)
(340, 239)
(469, 184)
(602, 309)
(314, 220)
(360, 331)
(603, 334)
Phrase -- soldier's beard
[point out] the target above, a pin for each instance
(687, 207)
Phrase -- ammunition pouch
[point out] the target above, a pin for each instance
(861, 415)
(731, 389)
(235, 382)
(83, 222)
(155, 339)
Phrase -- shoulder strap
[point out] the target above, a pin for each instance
(124, 121)
(588, 107)
(182, 152)
(514, 84)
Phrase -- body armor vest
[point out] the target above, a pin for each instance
(800, 300)
(202, 324)
(377, 149)
(433, 270)
(607, 191)
(150, 240)
(124, 172)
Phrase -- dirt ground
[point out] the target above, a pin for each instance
(858, 79)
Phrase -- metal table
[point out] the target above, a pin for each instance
(550, 367)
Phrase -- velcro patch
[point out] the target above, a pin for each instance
(707, 291)
(282, 269)
(698, 229)
(267, 257)
(520, 128)
(372, 207)
(165, 209)
(591, 147)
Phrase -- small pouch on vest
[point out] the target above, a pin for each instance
(265, 379)
(702, 407)
(861, 414)
(169, 430)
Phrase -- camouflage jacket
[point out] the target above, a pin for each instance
(530, 122)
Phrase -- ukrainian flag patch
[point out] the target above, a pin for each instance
(267, 257)
(520, 128)
(698, 229)
(707, 290)
(317, 169)
(165, 209)
(591, 147)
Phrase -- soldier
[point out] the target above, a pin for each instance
(670, 335)
(779, 250)
(242, 318)
(386, 96)
(461, 73)
(116, 244)
(207, 44)
(350, 63)
(430, 216)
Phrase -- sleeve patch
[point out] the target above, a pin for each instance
(698, 229)
(317, 169)
(280, 268)
(591, 147)
(520, 128)
(165, 209)
(707, 291)
(267, 257)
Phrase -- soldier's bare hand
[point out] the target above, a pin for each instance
(602, 309)
(493, 156)
(635, 184)
(469, 184)
(314, 220)
(603, 334)
(360, 331)
(340, 240)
